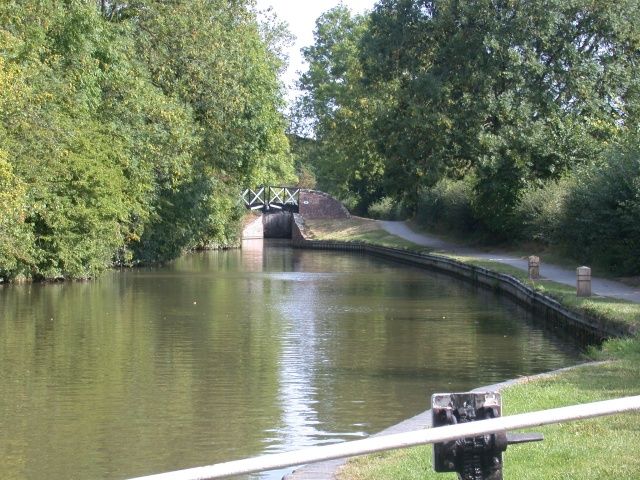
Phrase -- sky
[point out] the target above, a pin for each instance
(301, 16)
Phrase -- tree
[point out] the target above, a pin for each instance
(127, 129)
(210, 56)
(15, 254)
(340, 109)
(511, 91)
(15, 237)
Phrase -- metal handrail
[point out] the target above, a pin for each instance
(402, 440)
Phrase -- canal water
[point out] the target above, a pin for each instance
(223, 355)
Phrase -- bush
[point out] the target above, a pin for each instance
(350, 202)
(383, 209)
(540, 210)
(448, 205)
(15, 236)
(601, 218)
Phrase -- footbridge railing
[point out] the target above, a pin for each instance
(445, 435)
(268, 197)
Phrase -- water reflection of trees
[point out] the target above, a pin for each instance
(129, 375)
(401, 334)
(225, 354)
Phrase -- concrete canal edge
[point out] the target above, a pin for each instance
(328, 470)
(554, 314)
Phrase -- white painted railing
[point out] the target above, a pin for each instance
(269, 196)
(402, 440)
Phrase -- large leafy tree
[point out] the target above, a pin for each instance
(75, 203)
(509, 91)
(127, 128)
(341, 109)
(15, 240)
(210, 56)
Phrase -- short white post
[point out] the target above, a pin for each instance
(534, 267)
(583, 275)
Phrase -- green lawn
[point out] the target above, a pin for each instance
(604, 448)
(355, 229)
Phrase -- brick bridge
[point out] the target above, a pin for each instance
(279, 204)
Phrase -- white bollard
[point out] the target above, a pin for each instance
(583, 275)
(534, 267)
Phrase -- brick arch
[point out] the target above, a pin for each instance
(315, 204)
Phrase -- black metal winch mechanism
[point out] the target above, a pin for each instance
(475, 458)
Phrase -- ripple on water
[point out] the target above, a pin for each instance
(223, 355)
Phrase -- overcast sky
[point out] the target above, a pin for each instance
(301, 16)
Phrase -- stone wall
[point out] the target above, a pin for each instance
(297, 229)
(253, 227)
(314, 204)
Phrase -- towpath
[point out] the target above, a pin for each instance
(567, 276)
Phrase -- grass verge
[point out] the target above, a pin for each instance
(355, 229)
(604, 448)
(606, 309)
(551, 255)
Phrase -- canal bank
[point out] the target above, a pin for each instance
(551, 311)
(602, 449)
(567, 276)
(571, 457)
(329, 470)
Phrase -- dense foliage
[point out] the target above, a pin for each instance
(340, 110)
(600, 217)
(469, 111)
(128, 128)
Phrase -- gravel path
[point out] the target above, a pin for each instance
(599, 286)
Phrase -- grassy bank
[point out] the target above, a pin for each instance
(355, 229)
(593, 449)
(605, 448)
(551, 254)
(366, 230)
(607, 309)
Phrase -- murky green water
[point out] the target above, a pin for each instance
(224, 355)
